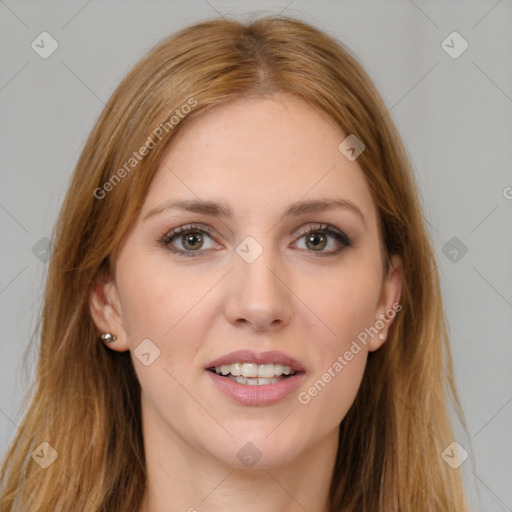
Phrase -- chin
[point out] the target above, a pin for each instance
(247, 452)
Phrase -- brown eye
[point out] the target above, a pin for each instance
(187, 240)
(316, 241)
(317, 238)
(191, 241)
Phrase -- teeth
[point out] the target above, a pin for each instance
(252, 370)
(236, 369)
(255, 382)
(278, 369)
(249, 370)
(266, 371)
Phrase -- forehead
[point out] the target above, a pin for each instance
(260, 154)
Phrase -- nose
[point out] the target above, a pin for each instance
(258, 294)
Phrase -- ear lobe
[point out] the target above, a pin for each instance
(388, 305)
(106, 312)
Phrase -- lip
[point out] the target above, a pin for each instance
(266, 394)
(249, 356)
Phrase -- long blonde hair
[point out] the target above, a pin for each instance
(85, 401)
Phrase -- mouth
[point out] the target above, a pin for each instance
(253, 379)
(254, 374)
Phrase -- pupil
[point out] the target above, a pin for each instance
(189, 239)
(316, 239)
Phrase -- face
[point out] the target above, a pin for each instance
(279, 274)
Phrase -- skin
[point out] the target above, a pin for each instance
(258, 156)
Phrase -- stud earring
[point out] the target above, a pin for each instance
(381, 336)
(108, 338)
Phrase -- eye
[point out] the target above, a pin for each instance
(317, 239)
(191, 237)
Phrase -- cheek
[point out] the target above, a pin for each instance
(347, 309)
(161, 305)
(346, 302)
(170, 307)
(340, 358)
(155, 298)
(329, 393)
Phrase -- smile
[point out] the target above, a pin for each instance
(253, 374)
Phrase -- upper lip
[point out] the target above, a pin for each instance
(249, 356)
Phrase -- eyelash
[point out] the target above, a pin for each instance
(318, 228)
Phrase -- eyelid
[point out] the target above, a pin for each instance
(175, 232)
(190, 227)
(319, 226)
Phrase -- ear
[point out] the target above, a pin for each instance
(388, 305)
(106, 312)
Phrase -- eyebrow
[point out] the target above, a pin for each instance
(223, 210)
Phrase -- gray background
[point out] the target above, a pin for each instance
(455, 115)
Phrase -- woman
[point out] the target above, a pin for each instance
(242, 308)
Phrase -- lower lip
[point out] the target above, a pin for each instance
(265, 394)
